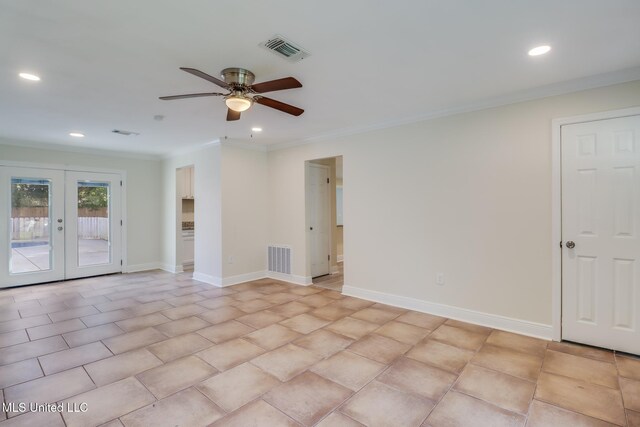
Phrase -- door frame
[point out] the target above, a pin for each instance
(76, 168)
(556, 205)
(179, 246)
(308, 165)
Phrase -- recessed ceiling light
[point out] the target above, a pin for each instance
(76, 134)
(256, 129)
(539, 50)
(28, 76)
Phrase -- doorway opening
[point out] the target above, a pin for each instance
(185, 184)
(325, 224)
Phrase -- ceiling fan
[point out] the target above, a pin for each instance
(242, 92)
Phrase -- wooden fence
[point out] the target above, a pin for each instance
(93, 228)
(43, 212)
(38, 228)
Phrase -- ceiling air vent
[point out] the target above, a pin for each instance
(125, 132)
(285, 48)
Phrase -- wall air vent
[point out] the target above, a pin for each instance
(125, 132)
(285, 49)
(279, 259)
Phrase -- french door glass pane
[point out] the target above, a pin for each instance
(30, 225)
(93, 223)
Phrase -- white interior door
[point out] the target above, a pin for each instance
(319, 218)
(600, 226)
(94, 227)
(32, 227)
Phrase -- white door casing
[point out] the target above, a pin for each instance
(319, 218)
(62, 225)
(601, 216)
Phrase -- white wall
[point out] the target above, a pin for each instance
(230, 213)
(244, 213)
(467, 195)
(207, 216)
(144, 187)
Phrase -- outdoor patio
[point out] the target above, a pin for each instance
(35, 257)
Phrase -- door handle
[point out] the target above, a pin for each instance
(59, 228)
(311, 228)
(571, 244)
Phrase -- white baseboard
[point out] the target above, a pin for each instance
(523, 327)
(134, 268)
(291, 278)
(207, 278)
(172, 268)
(247, 277)
(241, 278)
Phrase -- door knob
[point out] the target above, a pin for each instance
(571, 244)
(59, 219)
(311, 228)
(59, 228)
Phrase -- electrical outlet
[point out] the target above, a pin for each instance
(440, 279)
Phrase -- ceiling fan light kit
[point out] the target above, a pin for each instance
(242, 92)
(238, 103)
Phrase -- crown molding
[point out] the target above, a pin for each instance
(555, 89)
(190, 149)
(217, 141)
(244, 145)
(81, 150)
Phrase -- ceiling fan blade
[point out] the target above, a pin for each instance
(205, 76)
(190, 95)
(295, 111)
(232, 115)
(273, 85)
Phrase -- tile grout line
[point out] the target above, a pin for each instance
(583, 381)
(457, 374)
(535, 388)
(624, 406)
(388, 366)
(4, 400)
(143, 385)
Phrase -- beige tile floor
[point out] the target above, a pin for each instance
(154, 349)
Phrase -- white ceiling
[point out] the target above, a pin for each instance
(104, 63)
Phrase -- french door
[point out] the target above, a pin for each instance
(94, 228)
(600, 233)
(58, 225)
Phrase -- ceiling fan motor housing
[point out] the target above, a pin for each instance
(237, 76)
(239, 83)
